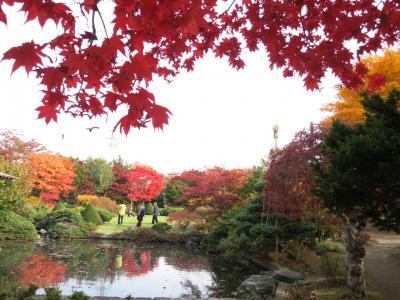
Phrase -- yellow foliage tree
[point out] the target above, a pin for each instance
(348, 108)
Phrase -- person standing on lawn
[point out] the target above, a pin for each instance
(156, 213)
(140, 215)
(121, 213)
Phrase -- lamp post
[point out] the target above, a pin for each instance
(275, 129)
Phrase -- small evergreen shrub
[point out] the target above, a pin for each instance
(63, 224)
(17, 293)
(79, 296)
(105, 215)
(161, 227)
(149, 208)
(25, 211)
(91, 215)
(164, 212)
(53, 293)
(15, 227)
(41, 212)
(59, 206)
(64, 231)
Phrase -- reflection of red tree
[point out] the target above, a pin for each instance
(135, 264)
(41, 271)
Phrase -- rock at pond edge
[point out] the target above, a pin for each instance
(256, 287)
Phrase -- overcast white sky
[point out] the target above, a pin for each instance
(220, 116)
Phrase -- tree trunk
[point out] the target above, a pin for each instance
(355, 261)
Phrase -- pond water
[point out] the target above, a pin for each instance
(111, 268)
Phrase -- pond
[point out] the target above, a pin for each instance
(118, 269)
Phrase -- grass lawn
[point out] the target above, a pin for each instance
(113, 227)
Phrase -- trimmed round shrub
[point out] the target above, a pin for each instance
(161, 227)
(105, 215)
(63, 224)
(149, 208)
(91, 215)
(164, 212)
(63, 231)
(15, 227)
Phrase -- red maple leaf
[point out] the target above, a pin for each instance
(142, 99)
(28, 55)
(310, 83)
(110, 100)
(47, 113)
(3, 17)
(159, 116)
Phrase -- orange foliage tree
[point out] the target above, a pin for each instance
(41, 271)
(382, 74)
(52, 175)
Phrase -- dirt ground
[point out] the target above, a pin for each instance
(382, 271)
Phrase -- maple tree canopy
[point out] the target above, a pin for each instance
(93, 68)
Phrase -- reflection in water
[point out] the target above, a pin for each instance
(116, 269)
(41, 271)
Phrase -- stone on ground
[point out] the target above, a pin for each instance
(256, 287)
(287, 276)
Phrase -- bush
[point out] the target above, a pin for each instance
(296, 256)
(161, 227)
(149, 208)
(86, 199)
(15, 227)
(41, 212)
(59, 206)
(78, 296)
(34, 201)
(25, 211)
(328, 247)
(105, 215)
(53, 293)
(91, 215)
(16, 293)
(99, 202)
(164, 212)
(63, 224)
(64, 231)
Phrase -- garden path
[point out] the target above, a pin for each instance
(382, 269)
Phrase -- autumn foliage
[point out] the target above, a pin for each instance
(95, 67)
(13, 148)
(290, 176)
(41, 271)
(144, 183)
(381, 76)
(216, 188)
(120, 188)
(52, 175)
(138, 263)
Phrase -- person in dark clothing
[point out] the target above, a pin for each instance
(156, 213)
(140, 215)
